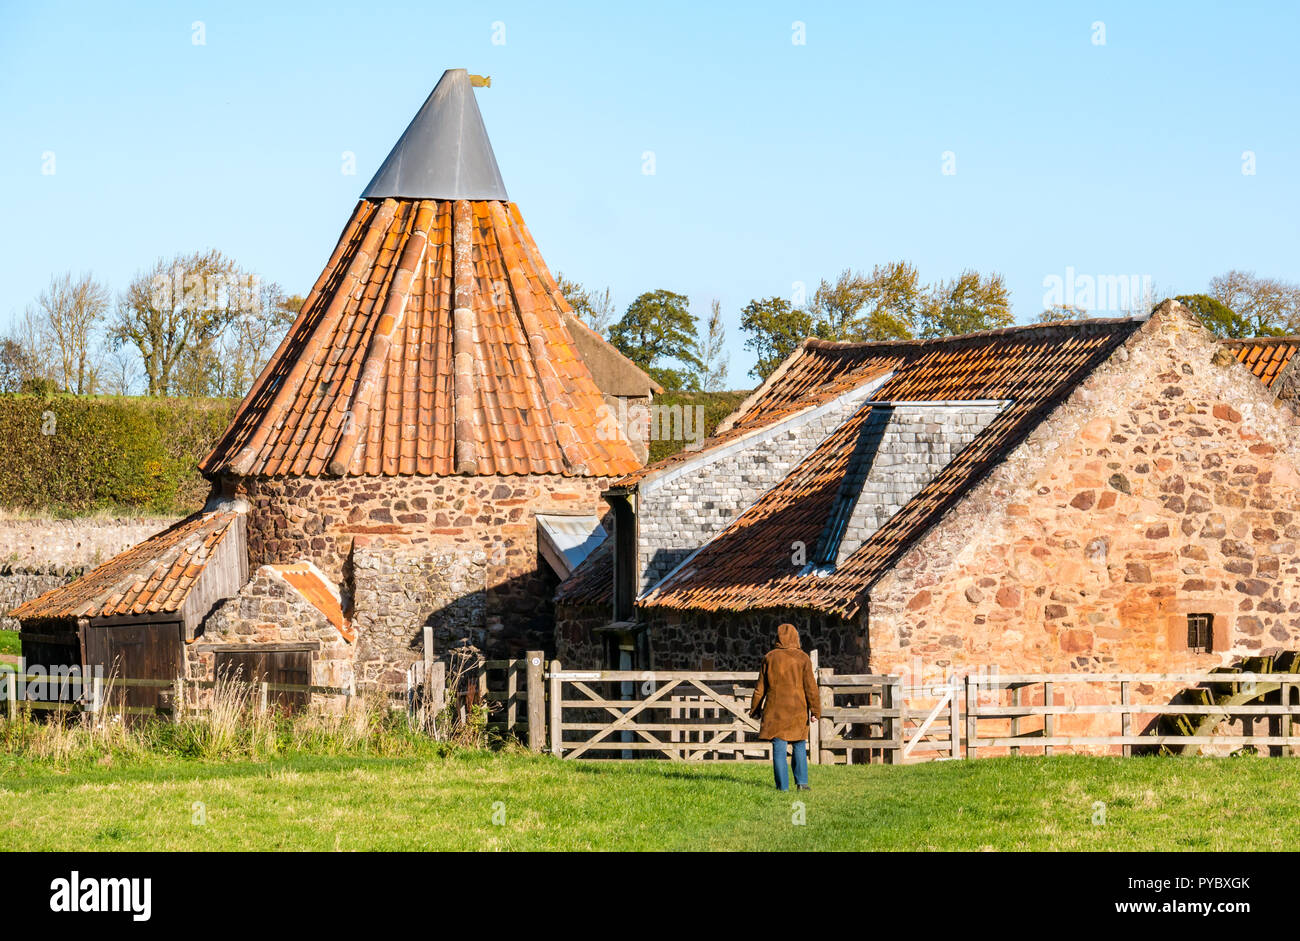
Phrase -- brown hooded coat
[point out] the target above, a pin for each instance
(786, 690)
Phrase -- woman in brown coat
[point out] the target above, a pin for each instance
(786, 693)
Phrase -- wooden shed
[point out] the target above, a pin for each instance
(131, 616)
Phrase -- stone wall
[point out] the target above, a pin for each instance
(577, 644)
(1165, 485)
(681, 507)
(702, 640)
(270, 610)
(37, 555)
(480, 529)
(400, 591)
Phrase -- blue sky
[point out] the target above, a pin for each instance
(775, 163)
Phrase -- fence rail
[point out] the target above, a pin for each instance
(704, 715)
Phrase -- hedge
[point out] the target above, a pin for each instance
(717, 406)
(69, 455)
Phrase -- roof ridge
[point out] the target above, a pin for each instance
(1081, 326)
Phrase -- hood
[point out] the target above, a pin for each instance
(788, 636)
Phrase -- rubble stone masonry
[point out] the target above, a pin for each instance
(457, 553)
(1165, 485)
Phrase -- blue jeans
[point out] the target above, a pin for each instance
(782, 771)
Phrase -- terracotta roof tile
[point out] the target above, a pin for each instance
(748, 564)
(1266, 357)
(363, 382)
(151, 578)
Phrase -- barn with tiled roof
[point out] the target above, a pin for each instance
(428, 440)
(1072, 496)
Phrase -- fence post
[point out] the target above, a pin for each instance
(11, 694)
(428, 658)
(826, 730)
(1017, 699)
(435, 693)
(814, 728)
(1049, 720)
(536, 703)
(1126, 718)
(894, 754)
(972, 714)
(1287, 696)
(954, 717)
(178, 691)
(261, 707)
(557, 711)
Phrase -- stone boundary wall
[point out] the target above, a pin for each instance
(38, 554)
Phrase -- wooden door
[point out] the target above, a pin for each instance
(135, 652)
(278, 667)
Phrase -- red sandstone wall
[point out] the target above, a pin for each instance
(322, 520)
(1166, 485)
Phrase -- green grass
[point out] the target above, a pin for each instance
(9, 643)
(445, 801)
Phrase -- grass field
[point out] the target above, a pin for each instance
(445, 802)
(9, 644)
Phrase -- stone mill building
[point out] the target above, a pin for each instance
(428, 446)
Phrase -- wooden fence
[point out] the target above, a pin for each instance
(704, 715)
(1032, 710)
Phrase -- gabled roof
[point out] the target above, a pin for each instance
(749, 564)
(1266, 357)
(152, 579)
(435, 342)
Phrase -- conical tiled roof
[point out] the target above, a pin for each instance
(434, 342)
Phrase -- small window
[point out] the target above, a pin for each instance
(1200, 632)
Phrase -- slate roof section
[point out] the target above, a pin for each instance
(825, 378)
(334, 399)
(152, 578)
(749, 565)
(1266, 357)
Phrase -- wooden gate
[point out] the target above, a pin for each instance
(683, 716)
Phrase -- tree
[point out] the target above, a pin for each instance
(173, 314)
(1264, 306)
(659, 326)
(249, 340)
(1217, 317)
(595, 308)
(15, 365)
(967, 303)
(713, 371)
(70, 311)
(775, 329)
(879, 306)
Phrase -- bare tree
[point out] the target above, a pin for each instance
(596, 308)
(175, 313)
(70, 311)
(713, 374)
(1265, 305)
